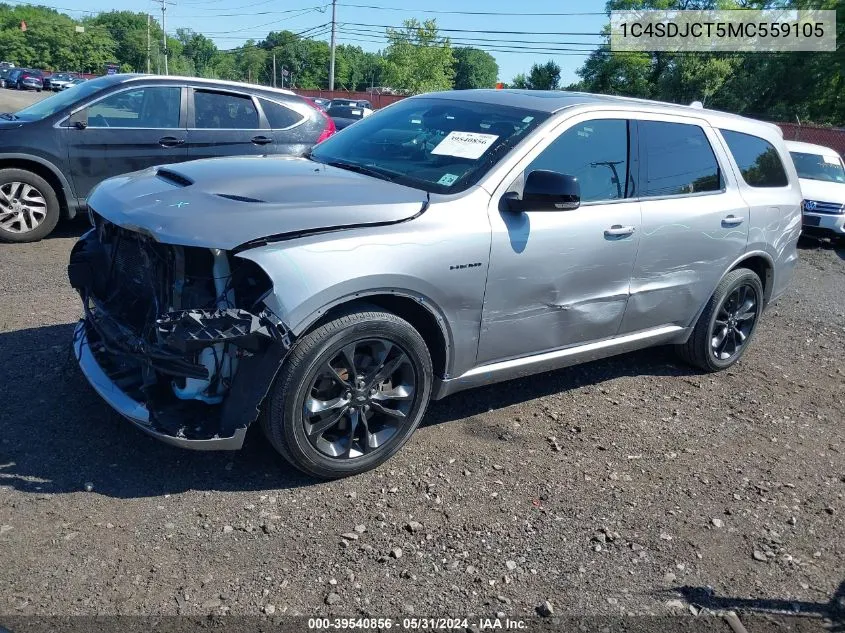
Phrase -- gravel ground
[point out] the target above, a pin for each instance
(631, 485)
(14, 100)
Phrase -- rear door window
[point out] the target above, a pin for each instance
(224, 111)
(677, 159)
(757, 159)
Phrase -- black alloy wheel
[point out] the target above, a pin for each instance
(359, 399)
(727, 324)
(735, 320)
(350, 394)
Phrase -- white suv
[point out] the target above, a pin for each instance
(822, 177)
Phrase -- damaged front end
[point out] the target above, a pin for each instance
(175, 338)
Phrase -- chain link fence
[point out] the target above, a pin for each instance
(818, 135)
(378, 100)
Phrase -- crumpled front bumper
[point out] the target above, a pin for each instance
(135, 411)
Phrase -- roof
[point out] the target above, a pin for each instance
(127, 77)
(810, 148)
(552, 101)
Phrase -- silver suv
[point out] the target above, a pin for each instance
(447, 241)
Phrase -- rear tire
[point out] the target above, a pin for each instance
(29, 207)
(728, 323)
(350, 394)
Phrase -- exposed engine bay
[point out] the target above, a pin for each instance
(181, 330)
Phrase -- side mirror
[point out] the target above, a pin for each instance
(79, 119)
(546, 190)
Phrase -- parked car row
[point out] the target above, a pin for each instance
(30, 79)
(22, 79)
(60, 81)
(55, 151)
(449, 241)
(344, 112)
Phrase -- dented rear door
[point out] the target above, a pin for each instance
(695, 222)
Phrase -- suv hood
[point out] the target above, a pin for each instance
(822, 190)
(234, 202)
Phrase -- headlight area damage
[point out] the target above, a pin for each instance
(177, 339)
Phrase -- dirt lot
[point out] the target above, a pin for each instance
(14, 100)
(661, 488)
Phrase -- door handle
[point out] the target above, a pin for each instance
(617, 230)
(732, 220)
(170, 141)
(261, 140)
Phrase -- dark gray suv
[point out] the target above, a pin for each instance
(55, 151)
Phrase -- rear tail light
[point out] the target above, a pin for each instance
(329, 128)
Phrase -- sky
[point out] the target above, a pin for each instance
(231, 22)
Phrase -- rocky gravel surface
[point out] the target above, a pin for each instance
(631, 485)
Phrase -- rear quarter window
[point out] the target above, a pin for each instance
(757, 159)
(279, 116)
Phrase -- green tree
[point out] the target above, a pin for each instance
(199, 49)
(357, 69)
(375, 70)
(520, 82)
(306, 61)
(474, 68)
(51, 40)
(540, 77)
(779, 86)
(129, 31)
(626, 74)
(253, 62)
(418, 59)
(544, 76)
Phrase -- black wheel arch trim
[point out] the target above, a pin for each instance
(67, 195)
(737, 263)
(426, 303)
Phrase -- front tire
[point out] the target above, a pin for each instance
(29, 208)
(726, 326)
(350, 394)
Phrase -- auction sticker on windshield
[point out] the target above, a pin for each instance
(464, 144)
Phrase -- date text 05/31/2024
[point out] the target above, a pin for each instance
(416, 623)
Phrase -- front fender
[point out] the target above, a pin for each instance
(416, 260)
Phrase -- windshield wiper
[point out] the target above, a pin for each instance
(361, 169)
(9, 116)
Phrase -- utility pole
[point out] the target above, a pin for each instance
(334, 41)
(164, 4)
(149, 20)
(274, 71)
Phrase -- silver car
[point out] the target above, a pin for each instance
(448, 241)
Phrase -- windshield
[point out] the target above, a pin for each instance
(817, 167)
(437, 145)
(61, 100)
